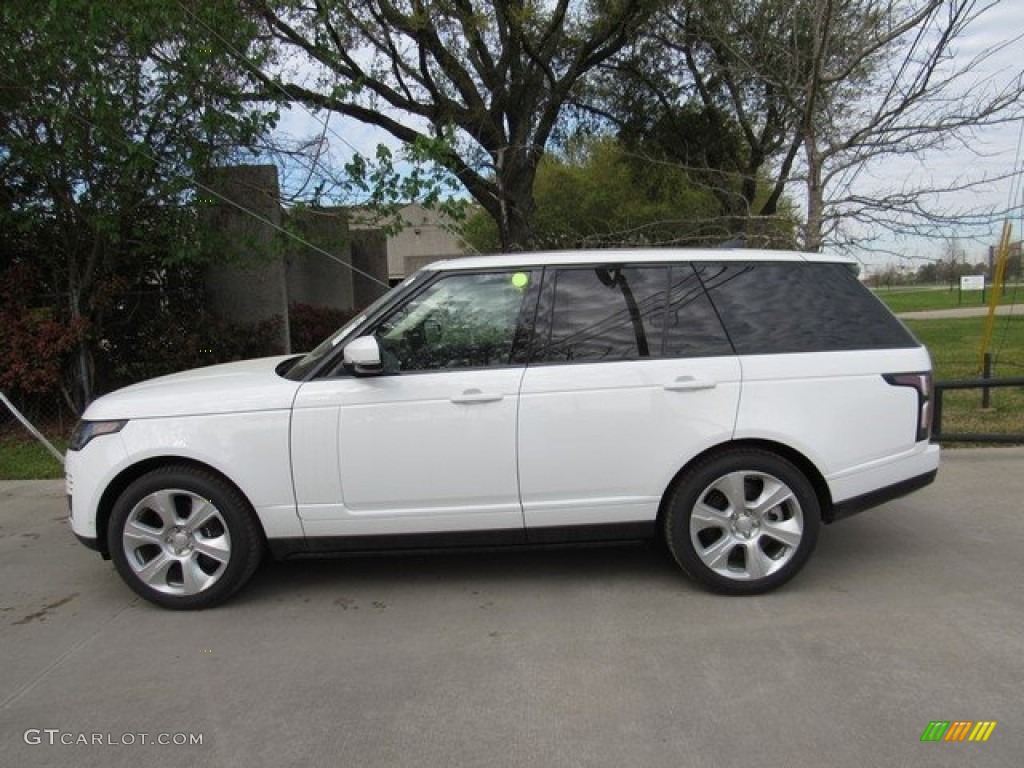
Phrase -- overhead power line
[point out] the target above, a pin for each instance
(248, 211)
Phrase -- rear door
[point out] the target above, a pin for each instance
(631, 376)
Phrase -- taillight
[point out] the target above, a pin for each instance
(922, 384)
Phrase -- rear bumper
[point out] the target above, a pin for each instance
(881, 496)
(875, 482)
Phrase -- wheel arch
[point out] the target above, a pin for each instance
(130, 474)
(799, 460)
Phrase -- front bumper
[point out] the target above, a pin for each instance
(92, 544)
(87, 473)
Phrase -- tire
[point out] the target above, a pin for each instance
(742, 522)
(183, 538)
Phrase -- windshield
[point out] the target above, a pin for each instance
(301, 369)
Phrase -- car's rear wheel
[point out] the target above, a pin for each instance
(182, 537)
(742, 522)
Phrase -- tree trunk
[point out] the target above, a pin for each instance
(516, 204)
(516, 227)
(82, 391)
(82, 367)
(815, 196)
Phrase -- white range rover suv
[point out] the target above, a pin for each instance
(727, 401)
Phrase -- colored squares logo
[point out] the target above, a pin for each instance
(958, 730)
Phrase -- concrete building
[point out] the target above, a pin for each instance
(423, 235)
(263, 271)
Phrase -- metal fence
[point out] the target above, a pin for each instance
(43, 422)
(984, 384)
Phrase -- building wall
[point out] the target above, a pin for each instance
(423, 239)
(248, 284)
(425, 236)
(369, 257)
(263, 271)
(320, 276)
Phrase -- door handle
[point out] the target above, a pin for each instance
(476, 396)
(690, 384)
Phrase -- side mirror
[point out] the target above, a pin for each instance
(362, 356)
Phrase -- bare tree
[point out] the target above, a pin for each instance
(824, 90)
(479, 85)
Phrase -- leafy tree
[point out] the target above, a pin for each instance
(705, 143)
(600, 194)
(479, 85)
(108, 111)
(820, 91)
(927, 273)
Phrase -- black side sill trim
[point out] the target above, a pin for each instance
(578, 534)
(881, 496)
(317, 546)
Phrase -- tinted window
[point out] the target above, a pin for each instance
(459, 321)
(606, 313)
(772, 308)
(692, 327)
(312, 359)
(627, 313)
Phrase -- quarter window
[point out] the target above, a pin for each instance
(775, 308)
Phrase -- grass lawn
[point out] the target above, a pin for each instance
(24, 458)
(954, 346)
(933, 297)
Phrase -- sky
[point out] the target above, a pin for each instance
(997, 35)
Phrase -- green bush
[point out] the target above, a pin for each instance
(310, 325)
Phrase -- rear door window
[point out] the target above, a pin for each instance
(631, 312)
(692, 327)
(606, 313)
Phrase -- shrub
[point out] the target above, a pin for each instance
(310, 325)
(35, 342)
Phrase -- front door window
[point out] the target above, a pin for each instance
(459, 321)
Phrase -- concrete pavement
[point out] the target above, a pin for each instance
(907, 614)
(941, 314)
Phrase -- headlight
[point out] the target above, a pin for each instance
(87, 430)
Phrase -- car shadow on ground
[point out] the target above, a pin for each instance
(857, 546)
(582, 565)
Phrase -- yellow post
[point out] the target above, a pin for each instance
(1002, 256)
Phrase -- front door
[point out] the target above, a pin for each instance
(430, 444)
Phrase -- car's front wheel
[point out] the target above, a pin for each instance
(182, 537)
(742, 522)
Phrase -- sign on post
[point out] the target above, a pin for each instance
(972, 283)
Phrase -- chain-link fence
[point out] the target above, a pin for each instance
(22, 454)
